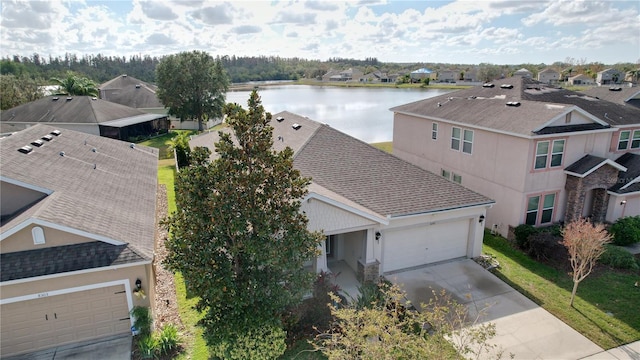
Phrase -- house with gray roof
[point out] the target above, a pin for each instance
(623, 95)
(77, 236)
(379, 213)
(609, 76)
(545, 154)
(85, 114)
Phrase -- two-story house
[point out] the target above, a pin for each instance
(609, 76)
(544, 154)
(548, 76)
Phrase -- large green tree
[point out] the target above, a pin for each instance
(239, 238)
(18, 90)
(192, 85)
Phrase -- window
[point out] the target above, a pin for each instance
(451, 176)
(455, 138)
(446, 174)
(434, 131)
(623, 142)
(544, 209)
(626, 138)
(457, 178)
(38, 235)
(546, 150)
(467, 142)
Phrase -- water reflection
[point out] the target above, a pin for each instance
(360, 112)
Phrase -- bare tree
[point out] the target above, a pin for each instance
(585, 242)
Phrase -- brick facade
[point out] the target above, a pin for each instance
(578, 188)
(368, 272)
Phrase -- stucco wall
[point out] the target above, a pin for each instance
(23, 240)
(353, 248)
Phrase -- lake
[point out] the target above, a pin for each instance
(360, 112)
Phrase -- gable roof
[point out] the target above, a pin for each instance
(620, 94)
(101, 188)
(68, 110)
(361, 176)
(590, 163)
(629, 180)
(486, 107)
(129, 91)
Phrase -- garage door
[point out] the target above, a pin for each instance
(55, 320)
(404, 248)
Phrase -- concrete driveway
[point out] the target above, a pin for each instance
(523, 328)
(110, 348)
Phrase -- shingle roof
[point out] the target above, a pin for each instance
(632, 163)
(585, 164)
(60, 259)
(115, 200)
(78, 110)
(486, 106)
(622, 96)
(360, 175)
(129, 91)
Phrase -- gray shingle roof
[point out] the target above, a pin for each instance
(620, 97)
(486, 106)
(343, 167)
(585, 164)
(60, 259)
(116, 200)
(129, 91)
(78, 110)
(632, 163)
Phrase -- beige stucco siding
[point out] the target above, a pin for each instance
(16, 197)
(331, 219)
(23, 239)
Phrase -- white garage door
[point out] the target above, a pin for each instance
(55, 320)
(404, 248)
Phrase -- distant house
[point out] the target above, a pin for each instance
(609, 76)
(448, 76)
(389, 215)
(84, 114)
(471, 75)
(548, 76)
(545, 154)
(343, 75)
(327, 76)
(581, 79)
(423, 73)
(632, 76)
(78, 236)
(524, 73)
(376, 77)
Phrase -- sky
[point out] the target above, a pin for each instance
(457, 32)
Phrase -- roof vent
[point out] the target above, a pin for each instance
(488, 85)
(132, 145)
(296, 126)
(506, 86)
(25, 149)
(439, 104)
(69, 98)
(37, 143)
(617, 88)
(124, 75)
(137, 86)
(55, 98)
(47, 137)
(61, 153)
(94, 150)
(94, 98)
(513, 103)
(280, 119)
(280, 138)
(55, 132)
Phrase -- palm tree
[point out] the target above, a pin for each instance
(76, 85)
(635, 75)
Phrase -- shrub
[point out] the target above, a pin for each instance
(147, 347)
(626, 231)
(542, 245)
(522, 233)
(267, 342)
(618, 258)
(168, 340)
(142, 320)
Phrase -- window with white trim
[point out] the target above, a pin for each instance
(467, 141)
(540, 209)
(626, 140)
(446, 174)
(457, 178)
(455, 138)
(549, 154)
(434, 131)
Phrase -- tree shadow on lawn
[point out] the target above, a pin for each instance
(598, 291)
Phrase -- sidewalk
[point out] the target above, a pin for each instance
(624, 352)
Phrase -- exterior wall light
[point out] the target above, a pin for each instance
(378, 235)
(481, 219)
(623, 202)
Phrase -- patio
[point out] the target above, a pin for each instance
(345, 277)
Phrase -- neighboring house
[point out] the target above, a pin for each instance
(524, 73)
(448, 76)
(129, 91)
(632, 76)
(376, 76)
(77, 234)
(618, 94)
(471, 75)
(423, 73)
(581, 79)
(545, 154)
(327, 76)
(548, 76)
(343, 75)
(609, 76)
(84, 114)
(380, 214)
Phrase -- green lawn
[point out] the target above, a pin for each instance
(384, 146)
(606, 306)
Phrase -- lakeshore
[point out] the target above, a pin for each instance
(342, 84)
